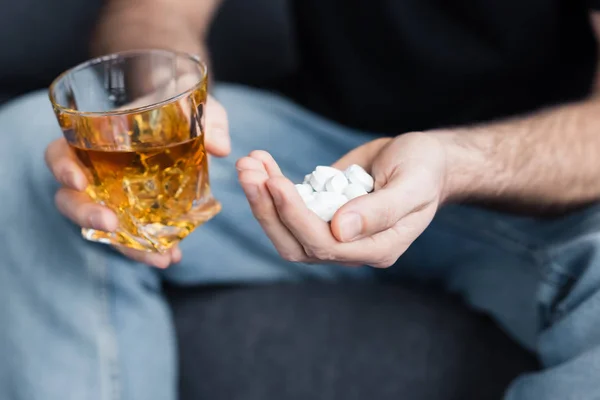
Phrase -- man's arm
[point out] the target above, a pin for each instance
(180, 25)
(549, 161)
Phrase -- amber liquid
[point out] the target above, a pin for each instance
(160, 195)
(151, 169)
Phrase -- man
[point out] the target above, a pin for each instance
(487, 103)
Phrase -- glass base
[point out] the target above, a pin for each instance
(157, 237)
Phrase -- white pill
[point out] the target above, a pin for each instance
(332, 198)
(327, 171)
(325, 204)
(306, 178)
(317, 181)
(304, 190)
(354, 190)
(337, 183)
(323, 211)
(321, 175)
(356, 174)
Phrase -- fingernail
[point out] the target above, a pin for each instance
(70, 179)
(350, 226)
(96, 221)
(251, 192)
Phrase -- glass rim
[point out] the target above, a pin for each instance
(112, 56)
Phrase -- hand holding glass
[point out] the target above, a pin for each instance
(135, 120)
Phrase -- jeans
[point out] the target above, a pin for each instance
(79, 321)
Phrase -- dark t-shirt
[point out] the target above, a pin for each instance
(393, 66)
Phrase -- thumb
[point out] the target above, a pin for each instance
(218, 142)
(373, 213)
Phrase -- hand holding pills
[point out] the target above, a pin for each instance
(366, 209)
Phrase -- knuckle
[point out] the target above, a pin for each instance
(67, 172)
(61, 168)
(81, 216)
(79, 213)
(385, 262)
(265, 219)
(54, 151)
(257, 153)
(292, 256)
(261, 155)
(286, 211)
(322, 254)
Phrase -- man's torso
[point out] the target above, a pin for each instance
(393, 66)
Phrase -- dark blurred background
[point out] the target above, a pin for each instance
(251, 41)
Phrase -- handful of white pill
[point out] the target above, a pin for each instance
(327, 189)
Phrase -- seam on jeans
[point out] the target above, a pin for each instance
(555, 250)
(556, 274)
(556, 267)
(107, 343)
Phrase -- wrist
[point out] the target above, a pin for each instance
(464, 162)
(123, 27)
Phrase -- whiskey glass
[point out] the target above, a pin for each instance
(135, 121)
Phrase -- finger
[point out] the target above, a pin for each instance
(387, 246)
(64, 165)
(263, 209)
(218, 142)
(79, 208)
(363, 155)
(176, 254)
(311, 231)
(268, 162)
(403, 194)
(249, 163)
(158, 260)
(381, 250)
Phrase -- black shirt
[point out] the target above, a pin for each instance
(392, 66)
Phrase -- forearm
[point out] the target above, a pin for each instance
(549, 161)
(180, 25)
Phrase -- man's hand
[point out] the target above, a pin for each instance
(179, 25)
(73, 203)
(374, 229)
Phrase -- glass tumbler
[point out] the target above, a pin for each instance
(135, 122)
